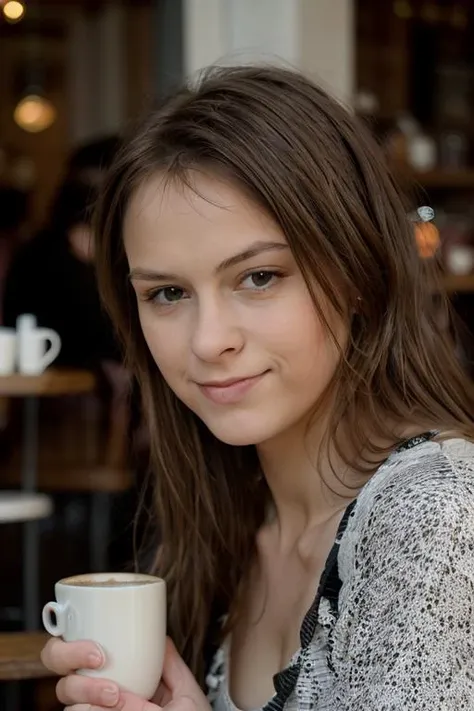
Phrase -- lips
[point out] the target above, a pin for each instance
(227, 392)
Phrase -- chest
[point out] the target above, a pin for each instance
(279, 596)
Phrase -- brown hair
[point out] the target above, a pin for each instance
(317, 172)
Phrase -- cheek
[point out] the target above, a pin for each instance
(302, 341)
(163, 343)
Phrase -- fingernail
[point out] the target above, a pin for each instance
(96, 659)
(109, 695)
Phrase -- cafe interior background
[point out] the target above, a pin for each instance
(75, 73)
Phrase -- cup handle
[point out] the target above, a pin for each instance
(58, 628)
(53, 351)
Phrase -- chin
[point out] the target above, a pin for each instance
(242, 434)
(236, 439)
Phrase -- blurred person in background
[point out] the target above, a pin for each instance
(52, 275)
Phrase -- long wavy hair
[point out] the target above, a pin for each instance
(315, 169)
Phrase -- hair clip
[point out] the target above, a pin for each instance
(425, 213)
(422, 214)
(426, 233)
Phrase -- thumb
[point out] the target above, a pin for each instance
(178, 678)
(176, 675)
(184, 703)
(130, 702)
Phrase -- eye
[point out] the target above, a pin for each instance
(260, 280)
(167, 295)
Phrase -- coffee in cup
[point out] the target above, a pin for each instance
(125, 614)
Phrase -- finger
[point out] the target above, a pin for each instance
(64, 657)
(148, 706)
(78, 689)
(130, 702)
(186, 703)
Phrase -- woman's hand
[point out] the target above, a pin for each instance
(178, 690)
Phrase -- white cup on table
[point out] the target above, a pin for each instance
(125, 614)
(34, 355)
(8, 346)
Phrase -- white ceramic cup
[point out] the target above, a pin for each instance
(33, 354)
(8, 341)
(126, 616)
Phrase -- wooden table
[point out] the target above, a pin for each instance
(51, 383)
(20, 656)
(20, 659)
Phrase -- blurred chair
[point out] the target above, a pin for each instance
(84, 449)
(97, 465)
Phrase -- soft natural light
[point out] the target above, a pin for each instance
(13, 10)
(34, 113)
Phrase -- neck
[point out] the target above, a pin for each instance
(307, 484)
(309, 481)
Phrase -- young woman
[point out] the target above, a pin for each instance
(311, 430)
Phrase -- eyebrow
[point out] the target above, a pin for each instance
(253, 251)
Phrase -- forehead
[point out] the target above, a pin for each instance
(208, 215)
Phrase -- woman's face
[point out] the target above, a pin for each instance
(225, 310)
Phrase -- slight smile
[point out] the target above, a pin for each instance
(229, 392)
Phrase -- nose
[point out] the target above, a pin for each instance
(216, 331)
